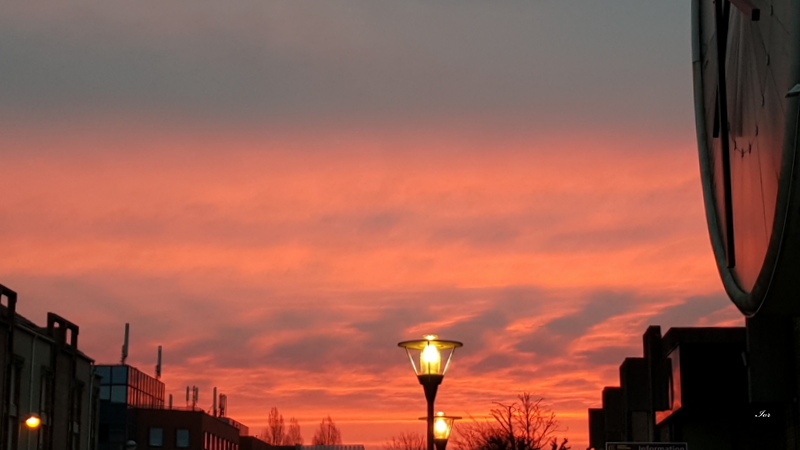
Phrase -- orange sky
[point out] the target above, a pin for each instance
(287, 278)
(279, 193)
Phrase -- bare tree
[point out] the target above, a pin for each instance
(406, 441)
(275, 433)
(293, 436)
(327, 434)
(525, 424)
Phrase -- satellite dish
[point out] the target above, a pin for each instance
(745, 62)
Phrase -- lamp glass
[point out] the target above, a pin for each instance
(442, 427)
(430, 356)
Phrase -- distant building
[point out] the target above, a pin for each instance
(132, 408)
(253, 443)
(690, 386)
(122, 389)
(169, 429)
(44, 374)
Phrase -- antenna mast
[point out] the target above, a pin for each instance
(125, 343)
(158, 365)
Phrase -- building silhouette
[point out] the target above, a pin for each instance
(44, 375)
(690, 386)
(132, 409)
(124, 388)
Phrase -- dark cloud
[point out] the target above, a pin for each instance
(493, 363)
(610, 355)
(362, 59)
(553, 338)
(690, 311)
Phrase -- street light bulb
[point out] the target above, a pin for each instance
(33, 422)
(440, 428)
(430, 360)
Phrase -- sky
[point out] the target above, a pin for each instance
(280, 191)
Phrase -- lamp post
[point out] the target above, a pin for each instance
(430, 352)
(442, 426)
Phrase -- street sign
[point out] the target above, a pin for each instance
(647, 446)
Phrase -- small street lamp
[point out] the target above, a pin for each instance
(28, 428)
(430, 352)
(442, 426)
(33, 421)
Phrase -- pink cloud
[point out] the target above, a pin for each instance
(284, 269)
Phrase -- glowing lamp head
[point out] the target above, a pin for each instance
(33, 421)
(432, 354)
(442, 426)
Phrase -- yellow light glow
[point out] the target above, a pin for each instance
(430, 337)
(430, 360)
(440, 428)
(33, 422)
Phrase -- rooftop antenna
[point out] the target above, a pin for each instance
(214, 407)
(125, 344)
(158, 365)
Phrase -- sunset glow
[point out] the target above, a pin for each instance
(279, 193)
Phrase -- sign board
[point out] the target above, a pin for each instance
(647, 446)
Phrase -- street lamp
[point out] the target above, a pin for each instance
(33, 421)
(430, 352)
(28, 427)
(442, 426)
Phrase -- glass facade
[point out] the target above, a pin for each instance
(124, 384)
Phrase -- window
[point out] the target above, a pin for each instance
(119, 375)
(182, 438)
(104, 372)
(156, 437)
(118, 394)
(76, 410)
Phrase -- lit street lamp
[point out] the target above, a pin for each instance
(442, 426)
(33, 421)
(430, 352)
(28, 429)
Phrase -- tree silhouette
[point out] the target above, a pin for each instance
(406, 441)
(522, 425)
(275, 432)
(293, 436)
(327, 434)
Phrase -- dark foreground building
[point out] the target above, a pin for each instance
(44, 374)
(690, 386)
